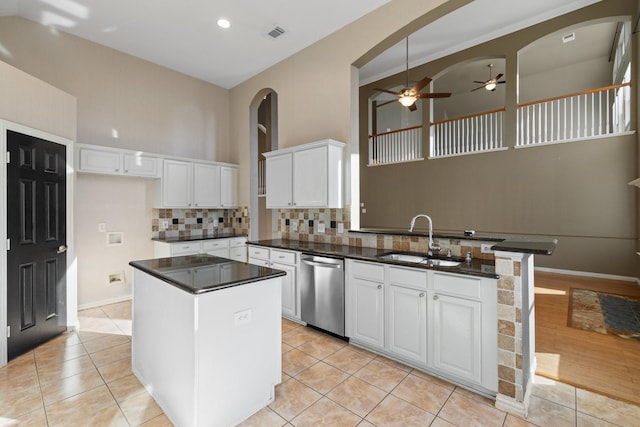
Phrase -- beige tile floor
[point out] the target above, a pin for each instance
(83, 378)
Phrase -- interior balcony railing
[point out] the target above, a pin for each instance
(397, 146)
(594, 113)
(590, 114)
(474, 133)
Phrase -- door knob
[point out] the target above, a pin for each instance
(62, 249)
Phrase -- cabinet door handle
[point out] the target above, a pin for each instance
(421, 295)
(435, 297)
(379, 286)
(281, 256)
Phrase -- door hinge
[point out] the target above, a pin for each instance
(8, 156)
(8, 244)
(8, 331)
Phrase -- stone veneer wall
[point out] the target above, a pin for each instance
(510, 345)
(199, 222)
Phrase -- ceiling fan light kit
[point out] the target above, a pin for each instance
(408, 96)
(490, 84)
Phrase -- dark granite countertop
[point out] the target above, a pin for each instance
(477, 267)
(509, 243)
(213, 273)
(536, 247)
(196, 238)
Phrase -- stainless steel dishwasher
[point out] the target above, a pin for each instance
(322, 292)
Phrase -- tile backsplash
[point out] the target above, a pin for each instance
(199, 222)
(305, 225)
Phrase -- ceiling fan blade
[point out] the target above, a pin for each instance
(434, 95)
(475, 81)
(388, 91)
(502, 82)
(498, 76)
(421, 84)
(412, 107)
(478, 88)
(385, 103)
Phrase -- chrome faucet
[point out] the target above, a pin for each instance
(432, 247)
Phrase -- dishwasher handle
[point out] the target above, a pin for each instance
(321, 264)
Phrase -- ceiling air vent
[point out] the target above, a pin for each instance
(276, 32)
(568, 37)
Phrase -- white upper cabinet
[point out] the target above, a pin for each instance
(175, 187)
(206, 185)
(113, 161)
(306, 176)
(187, 184)
(228, 187)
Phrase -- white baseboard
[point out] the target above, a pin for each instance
(589, 274)
(103, 302)
(511, 405)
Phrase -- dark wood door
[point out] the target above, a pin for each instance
(36, 228)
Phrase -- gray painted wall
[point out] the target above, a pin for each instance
(576, 192)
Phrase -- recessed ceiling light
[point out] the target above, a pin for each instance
(224, 23)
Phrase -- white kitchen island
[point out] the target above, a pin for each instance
(206, 339)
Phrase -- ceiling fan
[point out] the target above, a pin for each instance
(490, 84)
(409, 95)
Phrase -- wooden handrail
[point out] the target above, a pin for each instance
(395, 131)
(571, 95)
(484, 113)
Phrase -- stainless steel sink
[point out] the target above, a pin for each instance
(403, 257)
(419, 259)
(443, 262)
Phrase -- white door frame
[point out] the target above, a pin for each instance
(71, 274)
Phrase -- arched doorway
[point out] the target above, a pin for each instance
(264, 138)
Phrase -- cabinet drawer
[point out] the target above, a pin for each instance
(283, 256)
(260, 262)
(456, 285)
(237, 241)
(239, 253)
(367, 270)
(185, 248)
(257, 252)
(408, 276)
(212, 245)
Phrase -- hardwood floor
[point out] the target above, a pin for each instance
(605, 364)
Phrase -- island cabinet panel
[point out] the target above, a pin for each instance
(225, 247)
(210, 359)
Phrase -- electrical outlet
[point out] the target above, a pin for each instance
(294, 225)
(165, 224)
(320, 227)
(485, 248)
(340, 228)
(102, 227)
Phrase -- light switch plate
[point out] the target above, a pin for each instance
(102, 227)
(320, 227)
(340, 228)
(294, 225)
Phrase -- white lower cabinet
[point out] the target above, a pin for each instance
(456, 336)
(286, 261)
(366, 312)
(440, 322)
(407, 322)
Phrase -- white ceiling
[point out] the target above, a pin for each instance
(183, 35)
